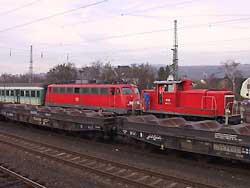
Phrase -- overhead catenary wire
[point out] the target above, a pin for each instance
(19, 8)
(130, 13)
(133, 50)
(52, 16)
(184, 27)
(159, 18)
(210, 24)
(160, 7)
(129, 34)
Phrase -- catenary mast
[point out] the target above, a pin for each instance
(31, 65)
(175, 53)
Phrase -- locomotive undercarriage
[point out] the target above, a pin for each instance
(231, 119)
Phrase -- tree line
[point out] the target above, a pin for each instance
(143, 75)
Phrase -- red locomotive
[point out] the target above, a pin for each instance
(167, 99)
(179, 98)
(118, 98)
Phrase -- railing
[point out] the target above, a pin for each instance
(234, 107)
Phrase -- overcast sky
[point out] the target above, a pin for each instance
(122, 32)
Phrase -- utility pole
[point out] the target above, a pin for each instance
(31, 65)
(175, 53)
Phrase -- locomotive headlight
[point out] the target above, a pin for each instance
(137, 102)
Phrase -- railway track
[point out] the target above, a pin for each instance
(121, 173)
(11, 179)
(156, 154)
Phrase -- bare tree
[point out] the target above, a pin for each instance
(232, 72)
(62, 73)
(144, 74)
(92, 72)
(108, 73)
(163, 73)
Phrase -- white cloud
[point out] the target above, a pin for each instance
(80, 33)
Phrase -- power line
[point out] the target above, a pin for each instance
(18, 8)
(213, 42)
(231, 20)
(186, 16)
(170, 29)
(131, 34)
(160, 7)
(53, 15)
(131, 14)
(86, 21)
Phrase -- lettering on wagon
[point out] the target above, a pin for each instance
(230, 137)
(153, 137)
(227, 148)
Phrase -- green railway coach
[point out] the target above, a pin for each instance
(22, 95)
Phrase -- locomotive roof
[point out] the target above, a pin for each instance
(168, 82)
(92, 85)
(207, 90)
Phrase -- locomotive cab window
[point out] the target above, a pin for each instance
(169, 88)
(137, 91)
(126, 90)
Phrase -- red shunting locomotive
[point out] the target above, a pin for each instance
(118, 98)
(179, 98)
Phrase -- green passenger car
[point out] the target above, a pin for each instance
(22, 95)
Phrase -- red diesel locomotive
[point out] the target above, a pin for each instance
(118, 98)
(179, 98)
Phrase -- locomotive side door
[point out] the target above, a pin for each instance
(111, 97)
(160, 90)
(115, 99)
(168, 100)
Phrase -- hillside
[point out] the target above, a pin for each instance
(199, 72)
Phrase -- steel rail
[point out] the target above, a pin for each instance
(23, 179)
(56, 154)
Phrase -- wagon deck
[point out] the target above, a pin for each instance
(205, 137)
